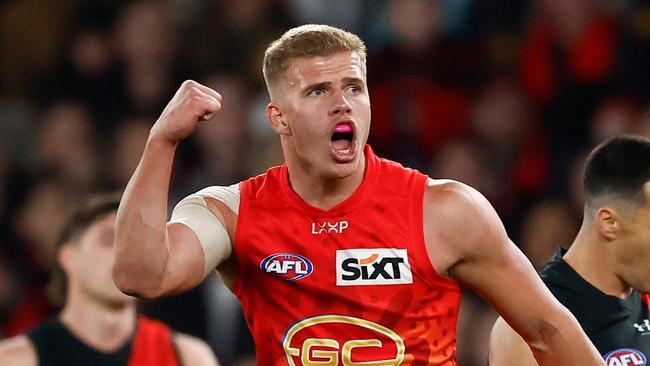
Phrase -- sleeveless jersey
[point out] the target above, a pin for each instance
(152, 345)
(619, 328)
(352, 285)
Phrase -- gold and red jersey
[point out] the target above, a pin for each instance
(352, 285)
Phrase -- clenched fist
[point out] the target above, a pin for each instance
(192, 103)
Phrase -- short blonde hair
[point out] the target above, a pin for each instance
(308, 40)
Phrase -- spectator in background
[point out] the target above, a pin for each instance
(514, 146)
(230, 37)
(147, 45)
(36, 225)
(97, 325)
(88, 70)
(67, 145)
(125, 149)
(537, 241)
(568, 65)
(424, 101)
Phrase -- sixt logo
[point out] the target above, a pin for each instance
(625, 357)
(327, 227)
(381, 266)
(287, 266)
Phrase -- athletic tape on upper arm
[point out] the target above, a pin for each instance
(194, 213)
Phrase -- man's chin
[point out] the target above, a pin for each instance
(344, 170)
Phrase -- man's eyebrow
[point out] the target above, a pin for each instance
(352, 81)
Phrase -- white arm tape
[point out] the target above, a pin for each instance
(193, 212)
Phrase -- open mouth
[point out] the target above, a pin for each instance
(342, 142)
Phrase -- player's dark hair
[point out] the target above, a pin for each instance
(91, 210)
(617, 168)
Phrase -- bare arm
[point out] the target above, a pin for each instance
(461, 223)
(507, 348)
(151, 258)
(194, 351)
(17, 351)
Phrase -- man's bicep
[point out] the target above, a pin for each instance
(186, 261)
(507, 348)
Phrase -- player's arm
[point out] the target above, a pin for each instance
(507, 348)
(194, 351)
(17, 351)
(152, 259)
(467, 241)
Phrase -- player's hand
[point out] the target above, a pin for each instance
(192, 103)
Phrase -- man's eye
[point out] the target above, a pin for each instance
(318, 92)
(354, 89)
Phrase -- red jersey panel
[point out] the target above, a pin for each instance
(352, 285)
(153, 344)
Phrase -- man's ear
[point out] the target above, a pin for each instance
(608, 222)
(276, 119)
(65, 256)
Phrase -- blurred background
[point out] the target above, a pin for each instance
(504, 95)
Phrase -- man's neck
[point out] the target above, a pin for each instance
(323, 192)
(100, 326)
(588, 256)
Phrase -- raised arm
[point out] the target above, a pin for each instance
(467, 241)
(151, 258)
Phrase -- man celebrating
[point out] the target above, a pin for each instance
(338, 257)
(604, 277)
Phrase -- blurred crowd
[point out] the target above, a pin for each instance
(505, 95)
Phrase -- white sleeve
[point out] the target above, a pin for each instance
(193, 212)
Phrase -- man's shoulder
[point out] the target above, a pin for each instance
(453, 200)
(18, 351)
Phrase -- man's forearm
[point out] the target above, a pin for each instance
(565, 345)
(141, 251)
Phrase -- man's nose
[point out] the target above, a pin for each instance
(341, 105)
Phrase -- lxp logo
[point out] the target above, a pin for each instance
(290, 267)
(327, 227)
(625, 357)
(334, 340)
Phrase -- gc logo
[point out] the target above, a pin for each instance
(333, 340)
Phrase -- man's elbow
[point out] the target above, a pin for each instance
(131, 282)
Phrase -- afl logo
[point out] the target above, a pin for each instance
(287, 266)
(625, 357)
(342, 340)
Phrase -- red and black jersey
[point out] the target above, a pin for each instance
(152, 344)
(619, 328)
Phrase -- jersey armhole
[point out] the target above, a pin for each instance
(241, 235)
(420, 255)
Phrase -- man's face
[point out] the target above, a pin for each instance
(90, 263)
(634, 243)
(325, 104)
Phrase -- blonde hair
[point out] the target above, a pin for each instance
(308, 40)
